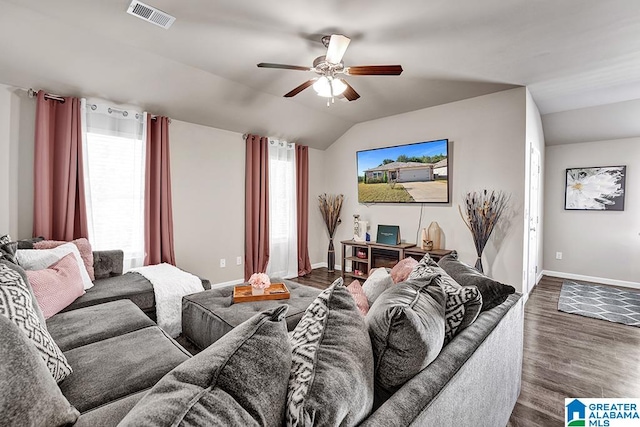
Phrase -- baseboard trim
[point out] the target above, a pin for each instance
(223, 284)
(602, 280)
(319, 265)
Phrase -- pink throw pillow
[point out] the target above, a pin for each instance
(84, 247)
(358, 294)
(57, 286)
(400, 272)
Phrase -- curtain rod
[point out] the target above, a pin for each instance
(32, 94)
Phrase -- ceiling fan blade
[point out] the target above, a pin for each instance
(283, 66)
(300, 88)
(350, 93)
(374, 70)
(337, 47)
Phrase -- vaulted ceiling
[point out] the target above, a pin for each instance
(570, 53)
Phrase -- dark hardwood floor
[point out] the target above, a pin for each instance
(565, 355)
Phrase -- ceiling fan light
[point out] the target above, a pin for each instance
(324, 85)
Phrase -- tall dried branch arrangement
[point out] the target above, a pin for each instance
(483, 211)
(330, 207)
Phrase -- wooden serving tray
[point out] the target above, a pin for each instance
(274, 291)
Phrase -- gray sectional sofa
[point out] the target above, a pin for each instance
(118, 353)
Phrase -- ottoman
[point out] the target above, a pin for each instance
(208, 315)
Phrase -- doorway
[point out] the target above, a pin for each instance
(534, 217)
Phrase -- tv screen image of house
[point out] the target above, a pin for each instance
(410, 173)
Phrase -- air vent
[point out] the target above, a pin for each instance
(150, 14)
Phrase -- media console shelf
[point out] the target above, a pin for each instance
(364, 256)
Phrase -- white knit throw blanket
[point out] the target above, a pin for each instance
(170, 284)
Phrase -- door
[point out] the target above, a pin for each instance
(534, 217)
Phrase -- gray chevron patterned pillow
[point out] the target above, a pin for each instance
(463, 303)
(331, 380)
(17, 306)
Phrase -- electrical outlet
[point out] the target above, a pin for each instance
(223, 263)
(558, 255)
(239, 260)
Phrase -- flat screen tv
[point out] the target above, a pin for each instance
(410, 173)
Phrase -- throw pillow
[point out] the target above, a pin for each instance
(16, 305)
(28, 394)
(241, 379)
(493, 293)
(8, 248)
(39, 259)
(23, 275)
(355, 289)
(463, 304)
(407, 326)
(57, 286)
(400, 272)
(331, 380)
(84, 247)
(379, 280)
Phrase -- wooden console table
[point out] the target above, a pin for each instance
(374, 255)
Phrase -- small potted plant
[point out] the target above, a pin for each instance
(259, 282)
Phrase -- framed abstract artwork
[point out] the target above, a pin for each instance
(595, 188)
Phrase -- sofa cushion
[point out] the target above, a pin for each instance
(29, 396)
(38, 259)
(378, 281)
(130, 286)
(407, 328)
(117, 367)
(112, 413)
(56, 286)
(16, 305)
(493, 292)
(209, 315)
(463, 303)
(332, 363)
(241, 379)
(96, 323)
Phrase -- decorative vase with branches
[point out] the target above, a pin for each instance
(483, 210)
(330, 207)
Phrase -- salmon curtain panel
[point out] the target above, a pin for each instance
(158, 216)
(256, 219)
(302, 198)
(59, 206)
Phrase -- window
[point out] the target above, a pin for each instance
(283, 235)
(114, 167)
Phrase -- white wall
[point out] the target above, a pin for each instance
(207, 182)
(535, 139)
(487, 137)
(317, 186)
(604, 246)
(17, 123)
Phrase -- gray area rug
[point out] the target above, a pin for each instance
(600, 302)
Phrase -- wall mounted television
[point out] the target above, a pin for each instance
(409, 173)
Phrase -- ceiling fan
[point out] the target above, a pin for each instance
(330, 66)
